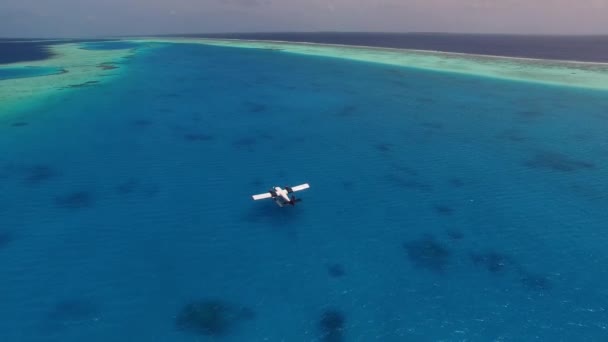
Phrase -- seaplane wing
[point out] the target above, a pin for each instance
(262, 196)
(299, 187)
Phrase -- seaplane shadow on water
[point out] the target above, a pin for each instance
(279, 220)
(281, 196)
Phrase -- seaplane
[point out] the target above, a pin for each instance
(281, 196)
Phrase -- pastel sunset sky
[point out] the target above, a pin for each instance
(69, 18)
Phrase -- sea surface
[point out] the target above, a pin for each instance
(442, 207)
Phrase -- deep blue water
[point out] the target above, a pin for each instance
(14, 51)
(24, 50)
(7, 73)
(442, 207)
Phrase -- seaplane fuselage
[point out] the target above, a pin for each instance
(282, 196)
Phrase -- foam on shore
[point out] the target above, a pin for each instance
(560, 73)
(79, 68)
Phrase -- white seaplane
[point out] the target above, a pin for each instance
(281, 196)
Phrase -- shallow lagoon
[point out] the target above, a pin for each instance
(442, 206)
(12, 73)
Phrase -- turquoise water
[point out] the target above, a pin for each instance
(442, 207)
(20, 72)
(108, 45)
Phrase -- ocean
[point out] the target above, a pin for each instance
(574, 48)
(442, 207)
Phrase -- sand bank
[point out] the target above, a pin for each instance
(78, 68)
(560, 73)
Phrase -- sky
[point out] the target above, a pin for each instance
(86, 18)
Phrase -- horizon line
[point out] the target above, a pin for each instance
(312, 32)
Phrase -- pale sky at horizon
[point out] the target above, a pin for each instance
(83, 18)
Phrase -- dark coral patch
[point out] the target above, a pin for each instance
(211, 317)
(347, 111)
(270, 136)
(73, 310)
(443, 209)
(455, 234)
(432, 125)
(557, 162)
(493, 262)
(82, 85)
(256, 107)
(5, 238)
(348, 185)
(37, 174)
(513, 135)
(331, 325)
(336, 270)
(33, 174)
(456, 182)
(107, 66)
(248, 141)
(133, 186)
(427, 253)
(127, 187)
(536, 282)
(141, 123)
(245, 143)
(383, 147)
(75, 200)
(425, 100)
(19, 124)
